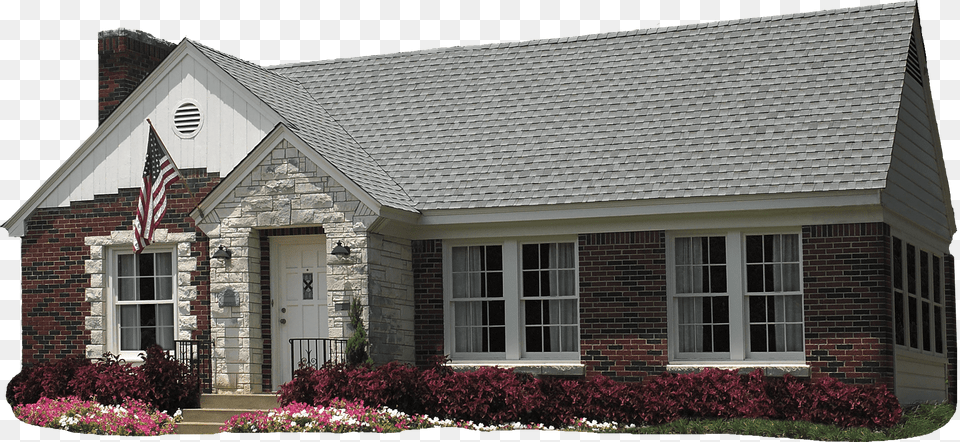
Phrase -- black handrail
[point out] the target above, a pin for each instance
(315, 352)
(196, 355)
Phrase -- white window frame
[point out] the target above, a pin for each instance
(112, 313)
(738, 305)
(512, 270)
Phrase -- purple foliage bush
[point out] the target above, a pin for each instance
(161, 382)
(497, 396)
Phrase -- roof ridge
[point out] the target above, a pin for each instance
(597, 36)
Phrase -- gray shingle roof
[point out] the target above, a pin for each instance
(775, 105)
(314, 126)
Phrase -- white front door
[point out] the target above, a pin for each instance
(298, 265)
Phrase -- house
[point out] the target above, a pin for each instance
(762, 193)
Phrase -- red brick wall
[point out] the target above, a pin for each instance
(847, 302)
(126, 58)
(427, 301)
(266, 330)
(623, 304)
(53, 261)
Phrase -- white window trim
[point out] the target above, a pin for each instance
(739, 354)
(512, 269)
(111, 313)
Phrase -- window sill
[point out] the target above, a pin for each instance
(769, 369)
(545, 368)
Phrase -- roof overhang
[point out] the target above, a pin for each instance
(690, 213)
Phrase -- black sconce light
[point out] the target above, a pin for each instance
(340, 251)
(222, 253)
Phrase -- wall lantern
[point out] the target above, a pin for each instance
(222, 253)
(340, 251)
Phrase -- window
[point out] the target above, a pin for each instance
(512, 301)
(918, 302)
(144, 301)
(735, 297)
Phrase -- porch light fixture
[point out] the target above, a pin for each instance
(340, 251)
(222, 253)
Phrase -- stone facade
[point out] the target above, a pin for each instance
(288, 190)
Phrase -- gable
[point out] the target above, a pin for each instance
(917, 187)
(234, 121)
(281, 183)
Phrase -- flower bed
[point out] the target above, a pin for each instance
(131, 418)
(494, 396)
(353, 417)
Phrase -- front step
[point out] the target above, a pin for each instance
(215, 409)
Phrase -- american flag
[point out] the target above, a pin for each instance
(158, 173)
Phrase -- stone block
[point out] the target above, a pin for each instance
(93, 322)
(96, 337)
(256, 204)
(93, 266)
(93, 294)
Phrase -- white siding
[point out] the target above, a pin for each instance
(914, 181)
(233, 123)
(919, 378)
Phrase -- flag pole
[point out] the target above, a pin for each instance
(186, 185)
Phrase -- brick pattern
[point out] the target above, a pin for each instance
(266, 331)
(56, 279)
(428, 300)
(848, 311)
(623, 304)
(125, 60)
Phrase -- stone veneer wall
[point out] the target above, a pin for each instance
(391, 299)
(288, 190)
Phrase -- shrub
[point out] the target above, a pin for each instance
(356, 351)
(48, 379)
(830, 401)
(168, 384)
(109, 382)
(496, 396)
(161, 382)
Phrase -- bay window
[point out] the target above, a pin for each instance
(512, 300)
(735, 297)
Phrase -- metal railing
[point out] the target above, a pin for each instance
(315, 352)
(197, 355)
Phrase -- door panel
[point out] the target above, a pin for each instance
(301, 299)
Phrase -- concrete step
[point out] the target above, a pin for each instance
(240, 401)
(215, 409)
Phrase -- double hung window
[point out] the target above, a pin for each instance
(512, 300)
(735, 296)
(144, 301)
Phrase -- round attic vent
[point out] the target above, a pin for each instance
(187, 119)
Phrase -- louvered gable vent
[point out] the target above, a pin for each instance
(187, 119)
(913, 61)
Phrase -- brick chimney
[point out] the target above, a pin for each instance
(126, 58)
